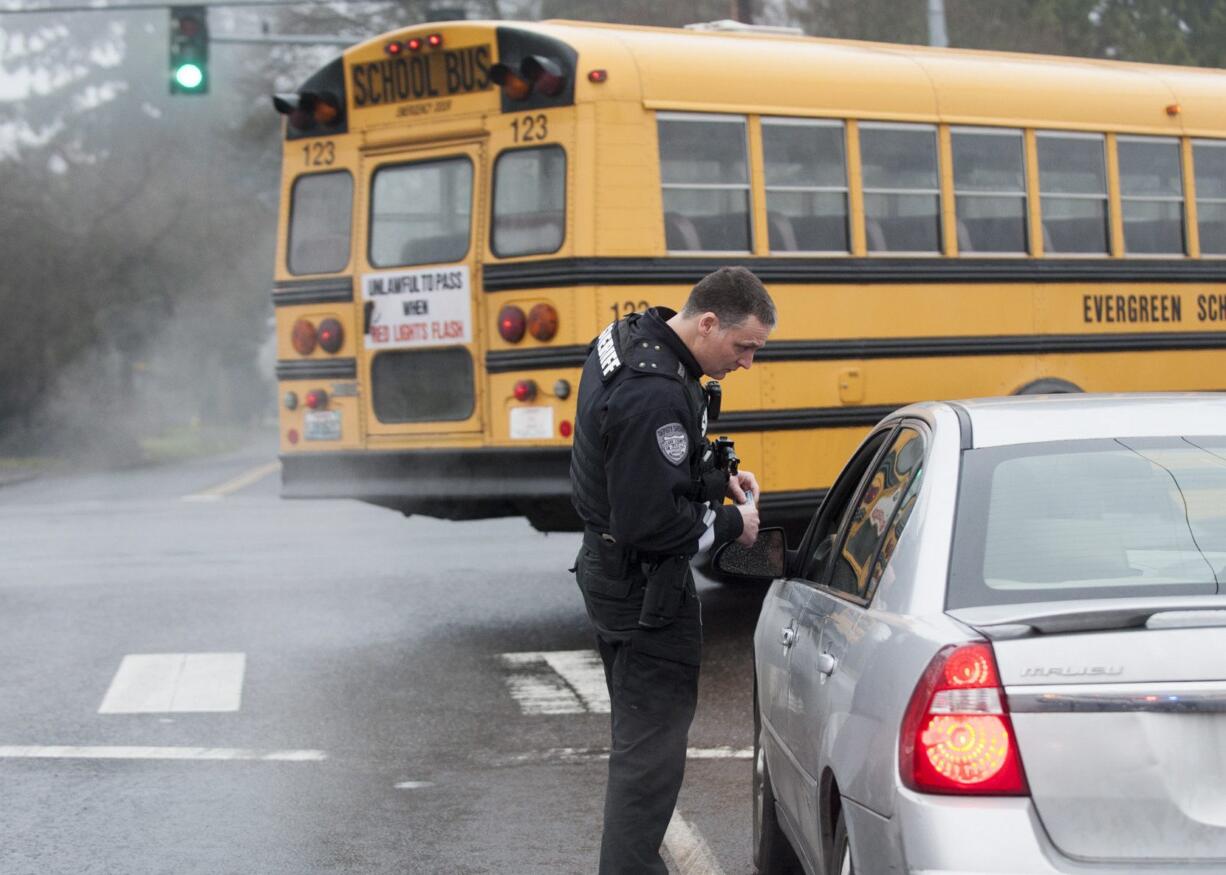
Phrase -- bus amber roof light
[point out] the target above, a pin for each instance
(544, 74)
(512, 84)
(435, 40)
(325, 112)
(543, 322)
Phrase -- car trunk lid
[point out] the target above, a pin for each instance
(1120, 717)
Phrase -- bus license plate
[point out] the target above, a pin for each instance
(323, 425)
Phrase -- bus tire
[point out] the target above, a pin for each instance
(1049, 386)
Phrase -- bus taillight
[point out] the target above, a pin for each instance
(303, 337)
(511, 323)
(331, 335)
(543, 322)
(316, 399)
(525, 390)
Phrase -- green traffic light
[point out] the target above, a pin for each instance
(189, 76)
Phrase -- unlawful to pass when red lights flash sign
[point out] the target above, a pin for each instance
(428, 307)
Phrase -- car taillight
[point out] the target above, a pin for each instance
(511, 323)
(303, 337)
(956, 736)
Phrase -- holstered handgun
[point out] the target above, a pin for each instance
(666, 583)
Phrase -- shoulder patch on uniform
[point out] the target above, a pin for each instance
(673, 442)
(606, 349)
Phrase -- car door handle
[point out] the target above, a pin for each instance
(788, 637)
(826, 664)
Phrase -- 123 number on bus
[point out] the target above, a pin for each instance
(530, 128)
(319, 154)
(625, 308)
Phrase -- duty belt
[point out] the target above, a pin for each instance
(595, 540)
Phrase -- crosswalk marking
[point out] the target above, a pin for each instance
(159, 683)
(557, 682)
(597, 754)
(101, 752)
(691, 855)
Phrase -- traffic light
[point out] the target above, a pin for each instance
(189, 50)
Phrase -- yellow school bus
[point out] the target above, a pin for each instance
(465, 205)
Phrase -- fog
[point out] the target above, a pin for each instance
(137, 228)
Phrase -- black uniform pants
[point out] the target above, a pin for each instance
(652, 676)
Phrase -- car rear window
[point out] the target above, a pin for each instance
(1090, 519)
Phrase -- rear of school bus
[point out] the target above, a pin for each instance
(425, 361)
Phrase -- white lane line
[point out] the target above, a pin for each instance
(217, 493)
(160, 683)
(593, 754)
(101, 752)
(557, 682)
(690, 852)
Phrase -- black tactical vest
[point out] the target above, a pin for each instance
(623, 351)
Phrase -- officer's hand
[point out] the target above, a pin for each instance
(749, 519)
(742, 483)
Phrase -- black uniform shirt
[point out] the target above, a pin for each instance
(650, 437)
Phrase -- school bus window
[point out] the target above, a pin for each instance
(321, 215)
(806, 185)
(990, 190)
(902, 198)
(1073, 193)
(529, 201)
(422, 385)
(704, 173)
(1151, 195)
(421, 213)
(1209, 158)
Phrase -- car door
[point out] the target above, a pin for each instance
(824, 671)
(787, 639)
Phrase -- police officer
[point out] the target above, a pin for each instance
(651, 498)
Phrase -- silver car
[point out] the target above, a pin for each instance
(1001, 646)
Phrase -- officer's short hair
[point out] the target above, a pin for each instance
(733, 294)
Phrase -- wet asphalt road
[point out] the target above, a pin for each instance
(372, 650)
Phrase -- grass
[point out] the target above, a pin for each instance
(188, 442)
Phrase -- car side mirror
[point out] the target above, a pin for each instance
(765, 560)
